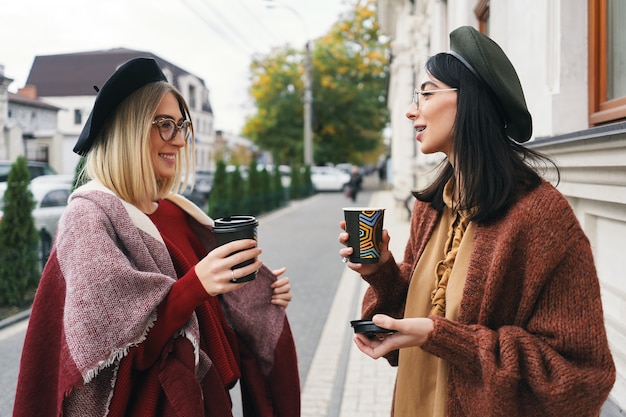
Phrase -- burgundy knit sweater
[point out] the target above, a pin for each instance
(530, 337)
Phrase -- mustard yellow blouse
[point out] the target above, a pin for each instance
(436, 288)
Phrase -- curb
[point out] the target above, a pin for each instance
(9, 321)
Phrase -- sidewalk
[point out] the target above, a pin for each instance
(342, 381)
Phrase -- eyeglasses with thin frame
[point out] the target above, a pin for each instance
(168, 128)
(426, 93)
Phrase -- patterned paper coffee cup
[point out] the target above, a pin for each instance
(365, 229)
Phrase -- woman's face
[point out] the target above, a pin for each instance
(164, 153)
(433, 115)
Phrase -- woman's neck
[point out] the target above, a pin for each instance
(147, 207)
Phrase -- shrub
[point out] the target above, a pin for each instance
(265, 191)
(307, 184)
(255, 207)
(218, 201)
(277, 189)
(79, 175)
(295, 186)
(19, 269)
(236, 192)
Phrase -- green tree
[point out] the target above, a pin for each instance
(277, 91)
(19, 269)
(219, 203)
(350, 69)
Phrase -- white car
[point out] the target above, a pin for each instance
(50, 202)
(326, 178)
(66, 178)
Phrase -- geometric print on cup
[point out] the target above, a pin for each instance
(369, 245)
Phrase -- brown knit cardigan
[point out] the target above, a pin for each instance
(530, 337)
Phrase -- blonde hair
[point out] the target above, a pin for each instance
(121, 160)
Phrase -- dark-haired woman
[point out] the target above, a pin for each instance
(496, 304)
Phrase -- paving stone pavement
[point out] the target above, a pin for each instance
(342, 381)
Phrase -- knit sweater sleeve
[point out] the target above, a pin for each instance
(530, 336)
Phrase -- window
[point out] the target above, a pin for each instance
(55, 198)
(78, 117)
(192, 97)
(607, 61)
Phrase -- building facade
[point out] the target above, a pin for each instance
(571, 60)
(68, 80)
(37, 122)
(29, 126)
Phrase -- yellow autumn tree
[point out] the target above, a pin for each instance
(349, 85)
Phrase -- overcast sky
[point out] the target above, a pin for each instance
(212, 39)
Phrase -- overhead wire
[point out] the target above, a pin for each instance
(254, 18)
(223, 28)
(222, 25)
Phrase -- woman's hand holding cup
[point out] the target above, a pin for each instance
(347, 251)
(217, 271)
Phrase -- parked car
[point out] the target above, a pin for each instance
(50, 202)
(327, 178)
(201, 190)
(283, 170)
(55, 178)
(35, 169)
(345, 167)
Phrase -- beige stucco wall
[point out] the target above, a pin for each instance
(592, 164)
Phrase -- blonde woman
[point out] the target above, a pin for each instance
(138, 313)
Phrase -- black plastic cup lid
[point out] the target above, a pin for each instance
(233, 223)
(368, 327)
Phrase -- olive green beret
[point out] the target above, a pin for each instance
(486, 60)
(128, 78)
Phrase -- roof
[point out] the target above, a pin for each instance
(27, 101)
(76, 74)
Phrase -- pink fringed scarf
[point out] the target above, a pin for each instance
(84, 321)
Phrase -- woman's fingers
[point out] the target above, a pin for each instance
(282, 292)
(218, 271)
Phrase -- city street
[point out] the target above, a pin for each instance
(337, 380)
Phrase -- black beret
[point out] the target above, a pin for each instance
(486, 60)
(128, 78)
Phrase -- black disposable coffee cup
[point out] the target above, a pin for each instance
(231, 228)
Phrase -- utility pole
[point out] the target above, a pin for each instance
(308, 107)
(308, 90)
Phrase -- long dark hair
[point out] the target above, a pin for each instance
(491, 170)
